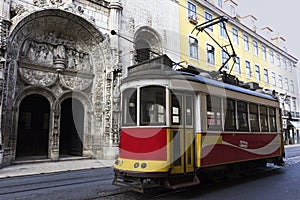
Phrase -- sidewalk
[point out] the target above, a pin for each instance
(50, 167)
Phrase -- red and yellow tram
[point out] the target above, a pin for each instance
(178, 126)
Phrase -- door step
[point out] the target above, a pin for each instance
(182, 181)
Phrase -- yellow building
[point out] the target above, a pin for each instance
(259, 59)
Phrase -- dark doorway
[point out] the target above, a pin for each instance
(33, 127)
(71, 128)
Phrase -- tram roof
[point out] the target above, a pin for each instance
(161, 68)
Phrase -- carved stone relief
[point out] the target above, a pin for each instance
(48, 53)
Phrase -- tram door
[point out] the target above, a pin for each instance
(182, 134)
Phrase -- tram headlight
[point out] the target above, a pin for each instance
(143, 165)
(136, 165)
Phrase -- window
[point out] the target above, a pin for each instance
(255, 48)
(264, 52)
(214, 113)
(290, 66)
(273, 79)
(286, 84)
(253, 110)
(222, 30)
(230, 123)
(248, 69)
(292, 85)
(242, 111)
(193, 47)
(294, 104)
(130, 106)
(188, 110)
(284, 63)
(272, 118)
(153, 105)
(224, 59)
(192, 11)
(278, 60)
(235, 36)
(220, 3)
(176, 109)
(263, 118)
(246, 42)
(208, 17)
(257, 73)
(266, 76)
(237, 65)
(280, 81)
(210, 51)
(271, 56)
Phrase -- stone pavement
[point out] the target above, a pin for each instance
(50, 167)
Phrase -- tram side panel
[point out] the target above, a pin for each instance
(216, 149)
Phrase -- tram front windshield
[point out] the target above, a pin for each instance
(152, 106)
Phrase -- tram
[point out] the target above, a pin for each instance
(179, 126)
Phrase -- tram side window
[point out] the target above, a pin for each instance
(129, 107)
(213, 113)
(242, 111)
(153, 105)
(253, 108)
(176, 109)
(272, 118)
(230, 123)
(189, 110)
(264, 118)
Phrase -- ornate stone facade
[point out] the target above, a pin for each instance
(54, 49)
(57, 50)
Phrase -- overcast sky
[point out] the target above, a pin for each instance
(282, 16)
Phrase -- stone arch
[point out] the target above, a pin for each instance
(28, 92)
(148, 43)
(53, 29)
(86, 137)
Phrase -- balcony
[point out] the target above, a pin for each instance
(193, 19)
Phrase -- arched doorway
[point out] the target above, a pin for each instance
(71, 128)
(33, 127)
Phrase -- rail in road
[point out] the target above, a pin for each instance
(12, 187)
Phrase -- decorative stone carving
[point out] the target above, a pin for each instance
(48, 53)
(35, 77)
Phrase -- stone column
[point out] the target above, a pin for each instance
(111, 110)
(4, 25)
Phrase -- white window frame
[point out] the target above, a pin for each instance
(284, 63)
(264, 52)
(206, 14)
(292, 85)
(237, 66)
(210, 54)
(192, 14)
(286, 84)
(271, 56)
(222, 31)
(278, 60)
(273, 78)
(193, 47)
(224, 57)
(255, 47)
(248, 69)
(266, 76)
(235, 36)
(246, 42)
(257, 73)
(280, 83)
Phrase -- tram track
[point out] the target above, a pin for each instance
(36, 183)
